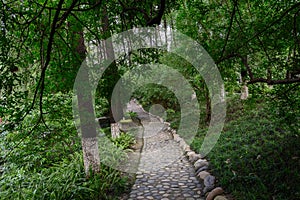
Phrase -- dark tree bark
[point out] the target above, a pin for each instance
(111, 71)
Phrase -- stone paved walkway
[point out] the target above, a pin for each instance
(163, 171)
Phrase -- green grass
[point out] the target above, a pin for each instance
(258, 154)
(48, 163)
(64, 180)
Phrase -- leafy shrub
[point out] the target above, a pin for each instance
(124, 141)
(130, 114)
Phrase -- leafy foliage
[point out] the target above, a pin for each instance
(124, 141)
(48, 164)
(64, 180)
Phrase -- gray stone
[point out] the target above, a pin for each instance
(200, 163)
(193, 157)
(209, 183)
(207, 189)
(201, 169)
(139, 176)
(202, 175)
(209, 180)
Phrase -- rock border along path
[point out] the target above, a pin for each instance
(168, 168)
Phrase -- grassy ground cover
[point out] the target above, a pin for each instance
(47, 162)
(257, 155)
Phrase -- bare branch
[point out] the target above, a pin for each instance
(274, 82)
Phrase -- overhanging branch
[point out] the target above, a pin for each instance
(274, 82)
(253, 80)
(229, 28)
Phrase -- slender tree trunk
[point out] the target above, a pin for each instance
(166, 31)
(244, 90)
(112, 72)
(85, 107)
(173, 39)
(208, 104)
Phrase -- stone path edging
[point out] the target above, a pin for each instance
(200, 166)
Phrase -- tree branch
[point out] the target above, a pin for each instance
(66, 14)
(48, 57)
(125, 9)
(243, 59)
(76, 10)
(156, 20)
(39, 13)
(270, 25)
(85, 26)
(274, 82)
(230, 27)
(259, 80)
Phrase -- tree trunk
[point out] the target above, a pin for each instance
(208, 105)
(244, 92)
(112, 71)
(244, 89)
(85, 106)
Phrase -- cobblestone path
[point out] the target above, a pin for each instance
(163, 172)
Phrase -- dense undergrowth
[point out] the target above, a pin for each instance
(63, 180)
(46, 162)
(257, 155)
